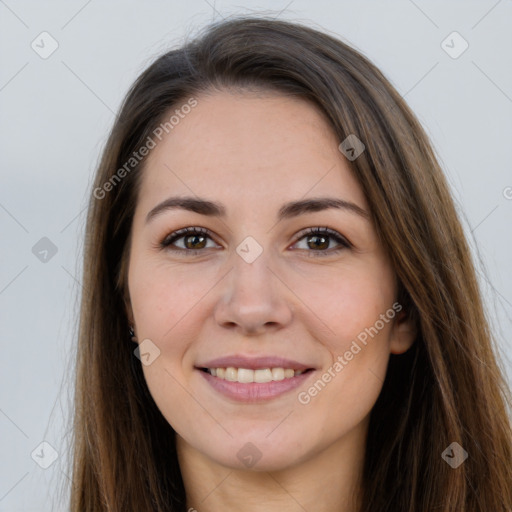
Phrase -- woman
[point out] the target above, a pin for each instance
(280, 310)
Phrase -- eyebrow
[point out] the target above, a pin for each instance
(287, 211)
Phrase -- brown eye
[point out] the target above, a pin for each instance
(318, 239)
(194, 240)
(197, 241)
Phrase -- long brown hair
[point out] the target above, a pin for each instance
(449, 387)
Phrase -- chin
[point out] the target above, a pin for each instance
(257, 455)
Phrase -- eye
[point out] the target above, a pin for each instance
(195, 240)
(319, 240)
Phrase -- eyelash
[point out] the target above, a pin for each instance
(182, 233)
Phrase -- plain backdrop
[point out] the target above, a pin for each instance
(56, 112)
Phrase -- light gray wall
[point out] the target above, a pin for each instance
(55, 113)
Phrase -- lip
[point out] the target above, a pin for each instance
(254, 391)
(254, 363)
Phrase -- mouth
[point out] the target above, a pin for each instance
(246, 379)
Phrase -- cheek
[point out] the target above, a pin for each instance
(163, 301)
(346, 302)
(357, 339)
(346, 389)
(166, 302)
(163, 295)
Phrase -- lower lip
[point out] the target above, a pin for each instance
(254, 391)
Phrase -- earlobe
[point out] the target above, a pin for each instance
(403, 334)
(131, 322)
(129, 311)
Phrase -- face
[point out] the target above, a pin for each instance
(258, 289)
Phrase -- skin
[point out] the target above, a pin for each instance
(252, 152)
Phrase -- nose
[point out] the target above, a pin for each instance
(253, 298)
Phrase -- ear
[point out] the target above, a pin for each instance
(403, 333)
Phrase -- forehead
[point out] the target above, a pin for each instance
(249, 146)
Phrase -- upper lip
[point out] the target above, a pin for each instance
(254, 363)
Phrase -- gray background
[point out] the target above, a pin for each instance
(55, 114)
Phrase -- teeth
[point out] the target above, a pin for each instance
(262, 375)
(231, 374)
(277, 374)
(246, 375)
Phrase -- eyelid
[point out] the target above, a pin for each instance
(318, 230)
(179, 233)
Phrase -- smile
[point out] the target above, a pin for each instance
(247, 375)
